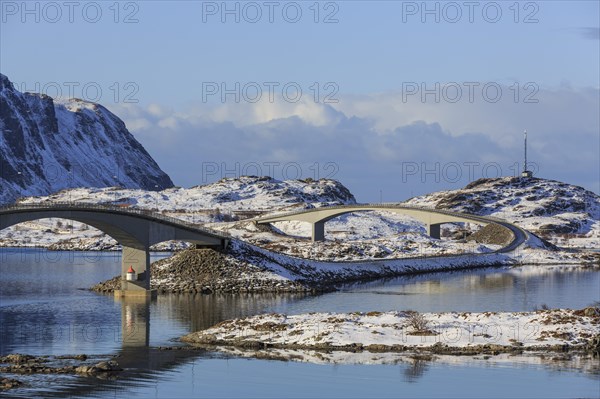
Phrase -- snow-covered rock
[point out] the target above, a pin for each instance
(455, 332)
(566, 214)
(47, 145)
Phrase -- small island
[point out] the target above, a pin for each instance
(455, 333)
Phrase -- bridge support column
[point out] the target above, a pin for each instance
(139, 260)
(434, 230)
(318, 231)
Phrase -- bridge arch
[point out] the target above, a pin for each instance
(135, 230)
(432, 219)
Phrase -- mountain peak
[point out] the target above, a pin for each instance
(48, 145)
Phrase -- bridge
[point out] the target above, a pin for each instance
(432, 218)
(135, 229)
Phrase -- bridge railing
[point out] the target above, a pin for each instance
(113, 209)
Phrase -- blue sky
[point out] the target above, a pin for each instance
(154, 63)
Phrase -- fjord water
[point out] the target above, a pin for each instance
(45, 310)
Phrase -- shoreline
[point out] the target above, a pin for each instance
(18, 364)
(244, 268)
(17, 369)
(452, 333)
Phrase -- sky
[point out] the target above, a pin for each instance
(392, 98)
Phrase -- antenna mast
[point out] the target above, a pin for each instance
(525, 164)
(526, 172)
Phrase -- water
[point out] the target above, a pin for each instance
(43, 312)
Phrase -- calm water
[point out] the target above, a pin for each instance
(44, 311)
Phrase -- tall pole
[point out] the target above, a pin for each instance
(525, 164)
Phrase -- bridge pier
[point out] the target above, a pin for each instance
(433, 230)
(136, 230)
(318, 231)
(139, 260)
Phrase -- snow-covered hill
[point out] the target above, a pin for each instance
(551, 209)
(47, 145)
(226, 204)
(249, 193)
(227, 199)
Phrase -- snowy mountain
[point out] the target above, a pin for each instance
(47, 145)
(545, 207)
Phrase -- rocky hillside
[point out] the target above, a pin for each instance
(546, 207)
(47, 145)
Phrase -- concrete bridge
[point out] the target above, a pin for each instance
(432, 218)
(136, 230)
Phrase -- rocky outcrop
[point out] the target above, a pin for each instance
(209, 271)
(542, 206)
(492, 234)
(18, 363)
(9, 383)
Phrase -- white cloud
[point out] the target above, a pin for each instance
(371, 140)
(171, 122)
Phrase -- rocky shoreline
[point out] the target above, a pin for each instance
(464, 333)
(246, 268)
(208, 271)
(22, 364)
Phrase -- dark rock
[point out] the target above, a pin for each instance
(110, 365)
(9, 383)
(492, 234)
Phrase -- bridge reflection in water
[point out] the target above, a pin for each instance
(144, 365)
(142, 362)
(135, 321)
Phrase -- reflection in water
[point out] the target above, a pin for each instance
(494, 289)
(135, 321)
(416, 369)
(50, 316)
(142, 366)
(198, 312)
